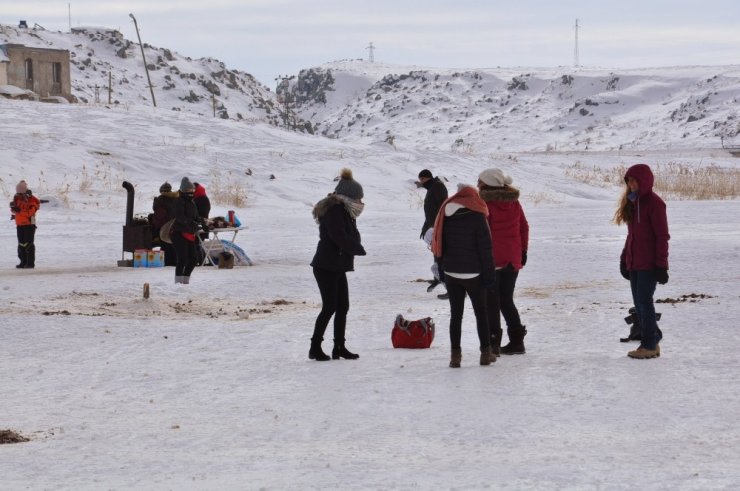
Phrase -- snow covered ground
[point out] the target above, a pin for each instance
(208, 386)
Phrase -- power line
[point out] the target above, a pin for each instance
(576, 61)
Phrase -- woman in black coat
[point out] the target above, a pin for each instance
(184, 229)
(339, 243)
(462, 245)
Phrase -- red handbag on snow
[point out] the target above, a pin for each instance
(412, 334)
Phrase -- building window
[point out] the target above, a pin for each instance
(56, 73)
(29, 69)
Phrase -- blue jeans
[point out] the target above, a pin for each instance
(643, 287)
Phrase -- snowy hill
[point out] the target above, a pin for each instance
(521, 109)
(180, 83)
(470, 111)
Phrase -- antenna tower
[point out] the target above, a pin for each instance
(371, 50)
(576, 61)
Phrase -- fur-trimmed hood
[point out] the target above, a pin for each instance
(320, 209)
(506, 193)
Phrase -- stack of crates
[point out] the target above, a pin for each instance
(148, 258)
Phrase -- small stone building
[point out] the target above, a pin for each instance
(43, 71)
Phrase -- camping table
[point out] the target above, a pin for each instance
(216, 242)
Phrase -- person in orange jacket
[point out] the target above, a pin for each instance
(23, 208)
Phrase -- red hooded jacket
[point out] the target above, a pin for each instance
(509, 226)
(646, 247)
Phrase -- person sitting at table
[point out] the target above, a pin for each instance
(163, 209)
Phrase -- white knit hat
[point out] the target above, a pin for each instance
(495, 178)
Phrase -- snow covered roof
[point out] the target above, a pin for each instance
(14, 92)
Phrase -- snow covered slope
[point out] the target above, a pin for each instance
(476, 110)
(208, 386)
(523, 109)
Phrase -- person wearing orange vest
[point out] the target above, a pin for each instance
(23, 208)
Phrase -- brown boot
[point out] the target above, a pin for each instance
(486, 356)
(644, 353)
(455, 358)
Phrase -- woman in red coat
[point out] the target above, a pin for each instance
(510, 233)
(644, 259)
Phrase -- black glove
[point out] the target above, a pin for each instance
(524, 258)
(15, 209)
(661, 274)
(623, 270)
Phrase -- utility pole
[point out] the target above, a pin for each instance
(371, 52)
(143, 58)
(576, 61)
(282, 81)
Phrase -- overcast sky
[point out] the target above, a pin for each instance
(271, 37)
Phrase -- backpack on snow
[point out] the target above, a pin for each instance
(412, 334)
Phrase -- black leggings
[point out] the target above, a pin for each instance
(501, 300)
(186, 254)
(334, 301)
(457, 288)
(26, 247)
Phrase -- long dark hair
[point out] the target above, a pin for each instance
(625, 210)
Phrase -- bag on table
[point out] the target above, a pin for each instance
(412, 334)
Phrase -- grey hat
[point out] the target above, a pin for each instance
(348, 186)
(186, 185)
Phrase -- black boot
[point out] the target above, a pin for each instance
(340, 351)
(316, 353)
(21, 256)
(516, 341)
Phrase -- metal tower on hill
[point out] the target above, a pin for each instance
(371, 52)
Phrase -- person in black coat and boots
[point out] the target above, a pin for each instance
(339, 243)
(462, 245)
(186, 226)
(164, 211)
(436, 195)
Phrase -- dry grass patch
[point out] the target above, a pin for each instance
(674, 180)
(227, 189)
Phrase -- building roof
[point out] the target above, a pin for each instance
(5, 47)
